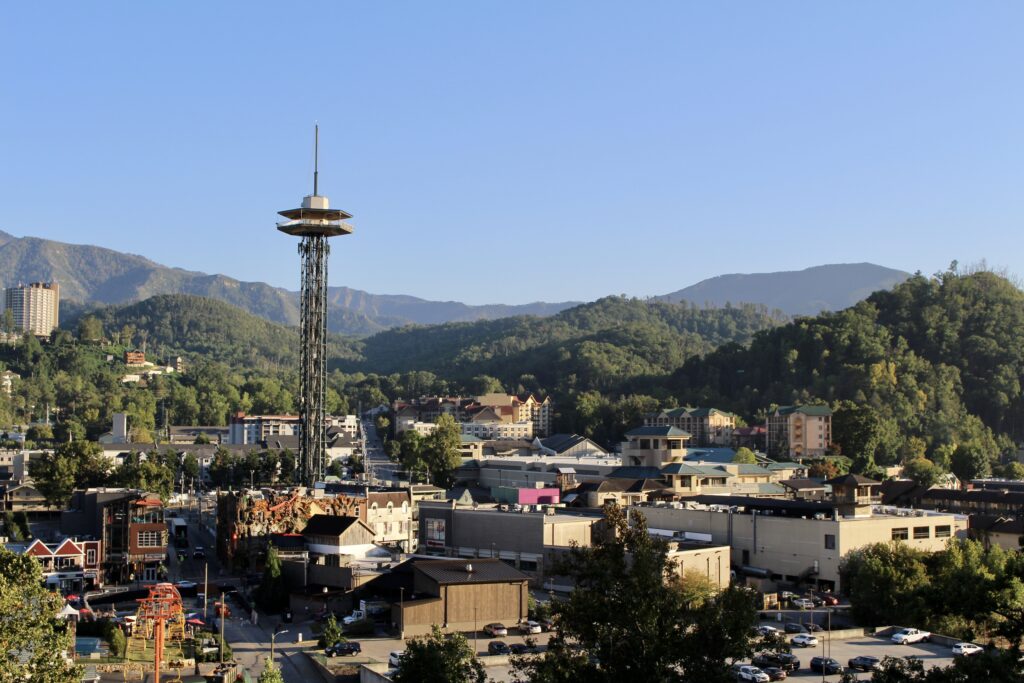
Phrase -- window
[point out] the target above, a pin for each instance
(900, 534)
(942, 531)
(90, 556)
(830, 541)
(922, 532)
(149, 539)
(527, 565)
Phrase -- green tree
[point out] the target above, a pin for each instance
(78, 464)
(630, 619)
(922, 471)
(744, 456)
(201, 438)
(118, 643)
(287, 459)
(970, 462)
(270, 674)
(272, 593)
(34, 638)
(440, 658)
(886, 583)
(441, 450)
(90, 329)
(331, 632)
(1012, 470)
(190, 466)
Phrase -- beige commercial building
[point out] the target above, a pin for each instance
(799, 431)
(777, 542)
(531, 542)
(34, 307)
(654, 446)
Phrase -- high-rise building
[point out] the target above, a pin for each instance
(34, 307)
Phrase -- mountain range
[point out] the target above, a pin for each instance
(797, 292)
(94, 275)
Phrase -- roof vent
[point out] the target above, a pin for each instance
(469, 568)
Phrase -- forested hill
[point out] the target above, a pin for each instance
(933, 366)
(605, 345)
(195, 326)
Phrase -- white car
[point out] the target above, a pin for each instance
(395, 658)
(967, 649)
(910, 635)
(803, 603)
(752, 673)
(766, 630)
(805, 640)
(530, 627)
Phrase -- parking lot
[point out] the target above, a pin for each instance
(844, 650)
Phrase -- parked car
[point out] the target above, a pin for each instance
(828, 599)
(787, 595)
(395, 658)
(826, 665)
(530, 627)
(497, 647)
(966, 649)
(343, 649)
(864, 663)
(766, 630)
(910, 635)
(775, 673)
(751, 673)
(805, 640)
(522, 648)
(496, 630)
(813, 628)
(199, 553)
(803, 603)
(793, 627)
(782, 660)
(185, 585)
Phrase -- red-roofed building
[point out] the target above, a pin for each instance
(69, 565)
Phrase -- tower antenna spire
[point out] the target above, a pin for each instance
(316, 155)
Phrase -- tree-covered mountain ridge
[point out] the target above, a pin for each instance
(933, 365)
(94, 275)
(97, 276)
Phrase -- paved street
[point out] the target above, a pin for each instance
(250, 643)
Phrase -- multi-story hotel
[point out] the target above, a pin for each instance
(706, 426)
(799, 431)
(34, 307)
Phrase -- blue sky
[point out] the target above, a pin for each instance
(519, 151)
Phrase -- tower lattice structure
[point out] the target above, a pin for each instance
(314, 222)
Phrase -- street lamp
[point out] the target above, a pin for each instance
(274, 635)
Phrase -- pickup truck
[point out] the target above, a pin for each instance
(357, 615)
(910, 635)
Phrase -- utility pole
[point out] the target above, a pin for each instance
(206, 587)
(223, 616)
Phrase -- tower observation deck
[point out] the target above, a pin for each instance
(313, 222)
